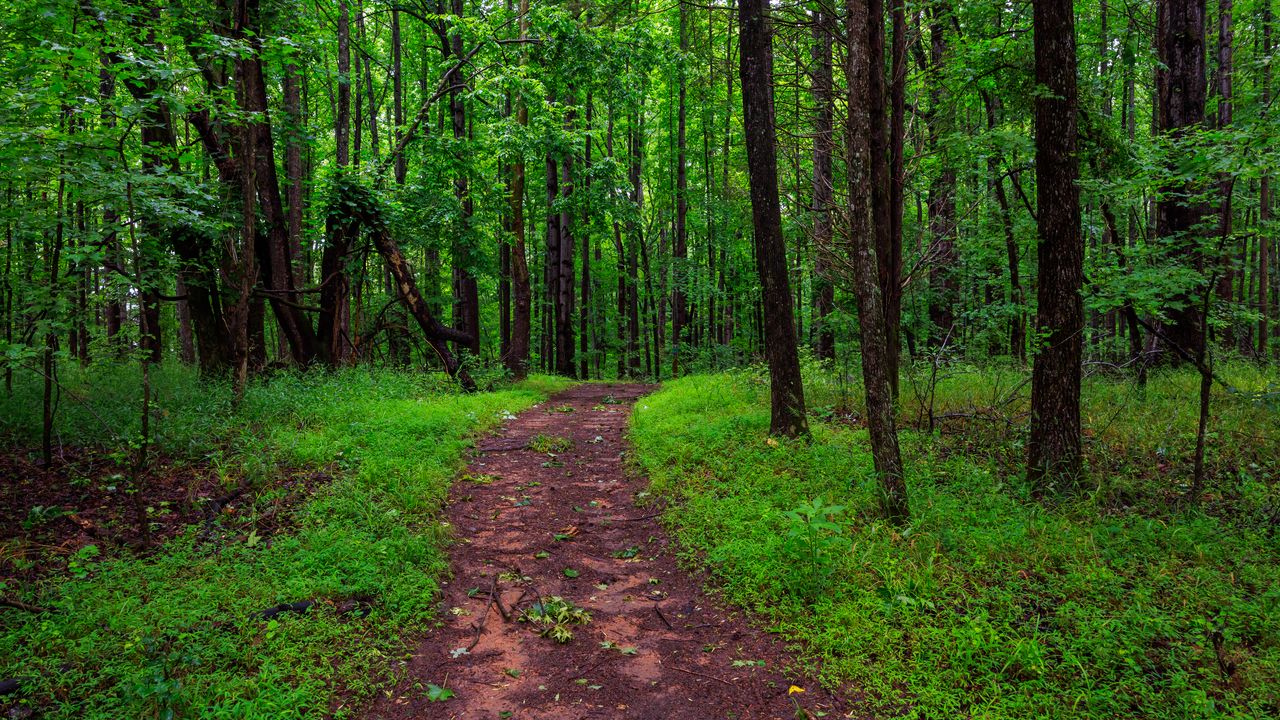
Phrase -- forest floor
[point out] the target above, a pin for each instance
(548, 512)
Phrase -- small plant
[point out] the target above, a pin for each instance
(553, 616)
(814, 539)
(41, 515)
(624, 649)
(436, 693)
(549, 444)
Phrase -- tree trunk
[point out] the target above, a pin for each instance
(517, 359)
(1226, 277)
(342, 123)
(897, 182)
(863, 65)
(756, 69)
(944, 288)
(1053, 451)
(1264, 207)
(886, 255)
(823, 190)
(1180, 90)
(680, 246)
(437, 335)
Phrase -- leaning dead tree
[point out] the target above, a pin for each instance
(354, 206)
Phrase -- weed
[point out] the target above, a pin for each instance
(553, 616)
(550, 444)
(815, 542)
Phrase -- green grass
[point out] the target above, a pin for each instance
(990, 604)
(172, 635)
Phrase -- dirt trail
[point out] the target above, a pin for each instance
(532, 525)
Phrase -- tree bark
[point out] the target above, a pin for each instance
(862, 67)
(943, 285)
(1053, 451)
(756, 69)
(1180, 90)
(680, 245)
(517, 359)
(823, 189)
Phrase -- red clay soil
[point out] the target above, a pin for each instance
(531, 525)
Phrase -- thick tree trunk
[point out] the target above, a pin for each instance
(1053, 451)
(862, 67)
(756, 69)
(1180, 91)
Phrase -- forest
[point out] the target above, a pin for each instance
(639, 358)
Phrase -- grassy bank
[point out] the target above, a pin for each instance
(992, 605)
(175, 634)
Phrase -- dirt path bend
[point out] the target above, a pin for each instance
(546, 510)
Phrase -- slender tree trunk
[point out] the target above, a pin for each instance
(517, 360)
(1053, 451)
(1225, 70)
(823, 189)
(466, 290)
(636, 236)
(756, 68)
(944, 295)
(897, 183)
(584, 231)
(680, 246)
(863, 65)
(886, 255)
(1265, 237)
(342, 122)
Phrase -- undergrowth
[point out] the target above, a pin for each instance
(178, 633)
(990, 604)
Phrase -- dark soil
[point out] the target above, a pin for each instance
(531, 525)
(47, 514)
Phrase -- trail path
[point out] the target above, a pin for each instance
(537, 526)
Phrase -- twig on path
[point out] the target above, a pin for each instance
(502, 448)
(709, 677)
(642, 517)
(662, 617)
(484, 618)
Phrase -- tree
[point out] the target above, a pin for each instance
(1053, 451)
(1180, 91)
(756, 71)
(862, 240)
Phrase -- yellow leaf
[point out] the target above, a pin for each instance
(794, 689)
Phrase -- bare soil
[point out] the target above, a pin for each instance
(87, 497)
(532, 524)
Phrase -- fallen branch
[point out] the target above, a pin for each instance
(704, 675)
(19, 605)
